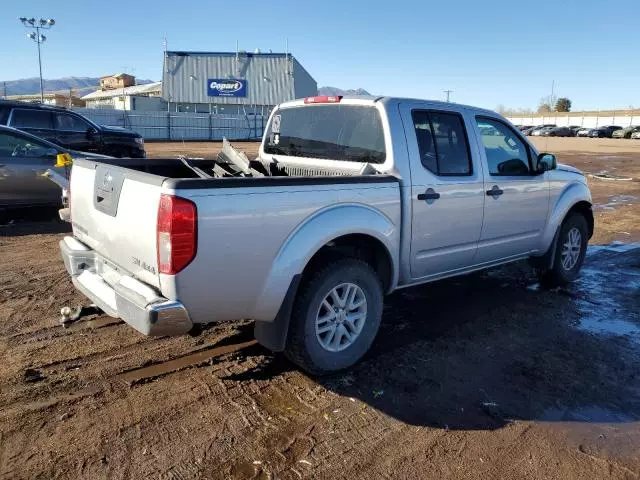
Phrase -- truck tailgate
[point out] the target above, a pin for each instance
(114, 211)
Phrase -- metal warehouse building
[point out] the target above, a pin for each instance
(232, 83)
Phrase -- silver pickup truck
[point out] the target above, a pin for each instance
(348, 200)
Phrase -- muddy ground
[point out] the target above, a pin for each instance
(484, 376)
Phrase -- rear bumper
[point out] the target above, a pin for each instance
(123, 296)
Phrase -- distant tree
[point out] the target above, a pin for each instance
(501, 109)
(544, 108)
(563, 105)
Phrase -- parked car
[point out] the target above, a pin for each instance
(557, 132)
(71, 130)
(23, 160)
(604, 132)
(635, 135)
(541, 132)
(351, 198)
(625, 132)
(537, 128)
(584, 132)
(575, 129)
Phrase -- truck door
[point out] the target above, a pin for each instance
(447, 191)
(517, 199)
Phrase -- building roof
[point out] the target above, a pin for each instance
(117, 75)
(179, 53)
(145, 89)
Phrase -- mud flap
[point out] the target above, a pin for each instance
(273, 335)
(546, 261)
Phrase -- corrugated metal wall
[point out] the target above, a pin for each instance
(271, 78)
(304, 84)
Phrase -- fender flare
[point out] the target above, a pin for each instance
(571, 196)
(273, 307)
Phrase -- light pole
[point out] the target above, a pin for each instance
(36, 36)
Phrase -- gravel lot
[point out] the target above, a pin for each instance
(484, 376)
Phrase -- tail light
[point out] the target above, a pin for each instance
(176, 234)
(324, 99)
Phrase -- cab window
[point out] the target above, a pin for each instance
(507, 154)
(442, 142)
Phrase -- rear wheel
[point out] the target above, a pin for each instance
(336, 316)
(570, 252)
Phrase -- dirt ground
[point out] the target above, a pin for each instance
(483, 376)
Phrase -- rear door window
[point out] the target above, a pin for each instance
(31, 118)
(335, 132)
(442, 142)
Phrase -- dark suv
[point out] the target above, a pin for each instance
(71, 130)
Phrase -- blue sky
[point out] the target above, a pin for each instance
(489, 52)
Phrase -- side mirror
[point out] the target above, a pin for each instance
(546, 162)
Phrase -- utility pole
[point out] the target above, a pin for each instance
(36, 36)
(5, 90)
(551, 98)
(448, 92)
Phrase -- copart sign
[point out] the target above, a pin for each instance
(226, 87)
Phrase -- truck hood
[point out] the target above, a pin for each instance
(569, 168)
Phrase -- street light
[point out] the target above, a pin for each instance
(36, 36)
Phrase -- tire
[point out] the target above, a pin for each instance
(307, 331)
(565, 270)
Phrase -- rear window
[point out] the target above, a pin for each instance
(350, 133)
(31, 119)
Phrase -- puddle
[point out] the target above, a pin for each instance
(619, 247)
(603, 290)
(616, 201)
(592, 414)
(613, 327)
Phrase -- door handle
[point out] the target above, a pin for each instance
(430, 194)
(495, 191)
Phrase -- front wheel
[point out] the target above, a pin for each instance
(335, 317)
(570, 252)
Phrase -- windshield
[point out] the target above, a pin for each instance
(337, 132)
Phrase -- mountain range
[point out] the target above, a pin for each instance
(26, 86)
(83, 85)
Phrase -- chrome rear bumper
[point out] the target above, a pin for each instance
(123, 296)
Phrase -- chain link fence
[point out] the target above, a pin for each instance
(180, 125)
